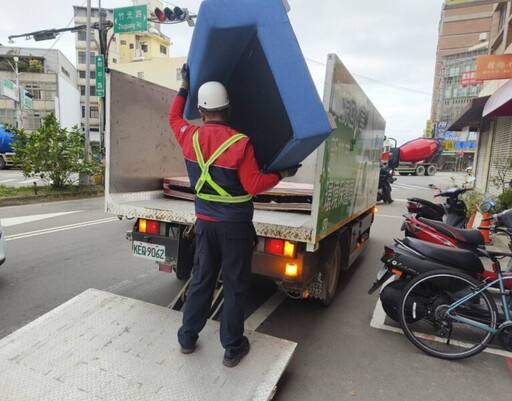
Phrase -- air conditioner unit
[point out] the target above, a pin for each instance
(483, 36)
(139, 55)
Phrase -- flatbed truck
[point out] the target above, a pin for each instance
(302, 246)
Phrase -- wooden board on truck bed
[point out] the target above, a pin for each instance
(102, 346)
(284, 196)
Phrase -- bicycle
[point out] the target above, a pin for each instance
(450, 315)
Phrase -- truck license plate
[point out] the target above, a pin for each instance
(149, 251)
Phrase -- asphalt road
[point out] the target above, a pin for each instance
(57, 250)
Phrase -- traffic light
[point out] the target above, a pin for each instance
(167, 15)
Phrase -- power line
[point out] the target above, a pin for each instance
(383, 83)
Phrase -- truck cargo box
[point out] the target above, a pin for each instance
(251, 48)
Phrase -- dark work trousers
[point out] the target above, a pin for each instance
(219, 245)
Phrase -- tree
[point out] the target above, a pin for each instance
(52, 153)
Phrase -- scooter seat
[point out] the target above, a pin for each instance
(436, 206)
(469, 236)
(459, 258)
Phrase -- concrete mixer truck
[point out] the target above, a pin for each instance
(416, 157)
(6, 151)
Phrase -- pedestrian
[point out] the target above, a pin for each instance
(222, 169)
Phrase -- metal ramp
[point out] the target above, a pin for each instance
(102, 346)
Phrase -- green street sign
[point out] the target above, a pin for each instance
(9, 89)
(131, 19)
(26, 100)
(100, 75)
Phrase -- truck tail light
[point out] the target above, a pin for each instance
(291, 270)
(280, 247)
(149, 226)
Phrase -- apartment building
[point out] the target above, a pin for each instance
(49, 77)
(460, 29)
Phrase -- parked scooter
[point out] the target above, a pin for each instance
(441, 233)
(385, 180)
(452, 211)
(407, 258)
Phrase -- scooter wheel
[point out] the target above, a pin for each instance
(390, 299)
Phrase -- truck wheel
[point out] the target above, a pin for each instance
(2, 163)
(420, 170)
(431, 170)
(330, 269)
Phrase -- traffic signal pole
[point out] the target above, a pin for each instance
(84, 179)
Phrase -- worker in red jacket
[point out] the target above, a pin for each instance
(223, 170)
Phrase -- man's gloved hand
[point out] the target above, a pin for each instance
(289, 172)
(185, 76)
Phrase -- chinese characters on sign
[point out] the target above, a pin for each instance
(131, 19)
(339, 193)
(100, 75)
(469, 78)
(494, 67)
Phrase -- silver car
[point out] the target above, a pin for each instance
(2, 245)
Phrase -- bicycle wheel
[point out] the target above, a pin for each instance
(424, 319)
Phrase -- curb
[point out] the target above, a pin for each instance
(24, 200)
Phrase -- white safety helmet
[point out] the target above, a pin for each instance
(212, 96)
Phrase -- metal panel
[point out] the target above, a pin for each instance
(141, 146)
(101, 346)
(482, 157)
(501, 150)
(152, 205)
(351, 155)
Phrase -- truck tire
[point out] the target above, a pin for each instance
(2, 163)
(420, 170)
(330, 260)
(431, 170)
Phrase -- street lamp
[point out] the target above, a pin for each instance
(17, 103)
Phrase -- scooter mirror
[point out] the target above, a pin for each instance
(486, 206)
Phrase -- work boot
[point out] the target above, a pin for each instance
(232, 358)
(187, 350)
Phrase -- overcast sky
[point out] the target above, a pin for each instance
(389, 46)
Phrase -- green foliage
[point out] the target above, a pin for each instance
(504, 200)
(25, 64)
(473, 200)
(52, 153)
(35, 65)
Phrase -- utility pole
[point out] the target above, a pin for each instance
(84, 179)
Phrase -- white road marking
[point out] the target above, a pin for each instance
(28, 181)
(379, 322)
(61, 228)
(12, 221)
(2, 181)
(389, 216)
(264, 311)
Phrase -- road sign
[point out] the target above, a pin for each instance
(131, 19)
(26, 100)
(100, 75)
(9, 89)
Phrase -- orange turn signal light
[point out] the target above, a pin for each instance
(291, 270)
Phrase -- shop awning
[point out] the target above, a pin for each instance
(500, 103)
(470, 116)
